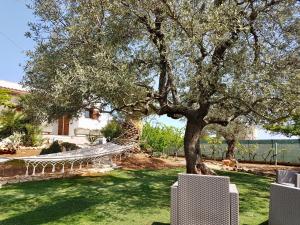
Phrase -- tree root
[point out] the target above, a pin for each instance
(203, 169)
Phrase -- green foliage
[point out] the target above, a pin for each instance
(12, 121)
(57, 147)
(5, 97)
(214, 140)
(161, 137)
(213, 57)
(214, 145)
(16, 139)
(247, 152)
(112, 130)
(32, 135)
(288, 127)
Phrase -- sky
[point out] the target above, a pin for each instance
(14, 17)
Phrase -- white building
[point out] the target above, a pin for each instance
(90, 121)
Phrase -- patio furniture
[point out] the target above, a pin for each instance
(206, 200)
(284, 205)
(288, 177)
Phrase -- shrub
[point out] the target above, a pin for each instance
(12, 121)
(53, 148)
(16, 139)
(112, 130)
(68, 146)
(32, 135)
(161, 137)
(57, 147)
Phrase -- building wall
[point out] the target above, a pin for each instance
(81, 122)
(93, 124)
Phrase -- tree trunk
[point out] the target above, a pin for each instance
(230, 148)
(191, 152)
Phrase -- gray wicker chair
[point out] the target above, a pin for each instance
(284, 205)
(287, 177)
(206, 200)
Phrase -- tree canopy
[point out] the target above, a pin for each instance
(289, 127)
(208, 61)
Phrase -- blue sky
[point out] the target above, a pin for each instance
(14, 16)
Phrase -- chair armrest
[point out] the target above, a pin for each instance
(298, 181)
(175, 184)
(234, 204)
(174, 202)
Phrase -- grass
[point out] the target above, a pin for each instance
(139, 197)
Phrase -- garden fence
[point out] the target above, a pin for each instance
(264, 151)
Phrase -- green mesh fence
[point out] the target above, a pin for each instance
(288, 151)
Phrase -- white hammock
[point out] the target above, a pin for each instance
(94, 154)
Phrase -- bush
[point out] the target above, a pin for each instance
(17, 122)
(53, 148)
(68, 146)
(10, 122)
(57, 147)
(112, 130)
(32, 135)
(16, 139)
(161, 138)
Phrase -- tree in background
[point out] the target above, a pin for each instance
(209, 62)
(236, 130)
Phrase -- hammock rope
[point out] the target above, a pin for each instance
(98, 155)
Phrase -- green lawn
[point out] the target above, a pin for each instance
(119, 198)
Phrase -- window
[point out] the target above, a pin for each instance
(92, 114)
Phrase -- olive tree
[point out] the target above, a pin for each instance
(209, 62)
(235, 130)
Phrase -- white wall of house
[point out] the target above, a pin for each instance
(93, 124)
(80, 122)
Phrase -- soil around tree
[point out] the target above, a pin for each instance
(145, 161)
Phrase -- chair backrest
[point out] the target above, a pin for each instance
(286, 176)
(284, 205)
(203, 199)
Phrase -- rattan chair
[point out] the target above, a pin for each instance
(206, 200)
(284, 205)
(287, 177)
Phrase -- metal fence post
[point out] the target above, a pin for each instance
(276, 152)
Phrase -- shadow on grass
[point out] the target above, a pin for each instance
(253, 196)
(159, 223)
(116, 198)
(264, 223)
(50, 212)
(118, 193)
